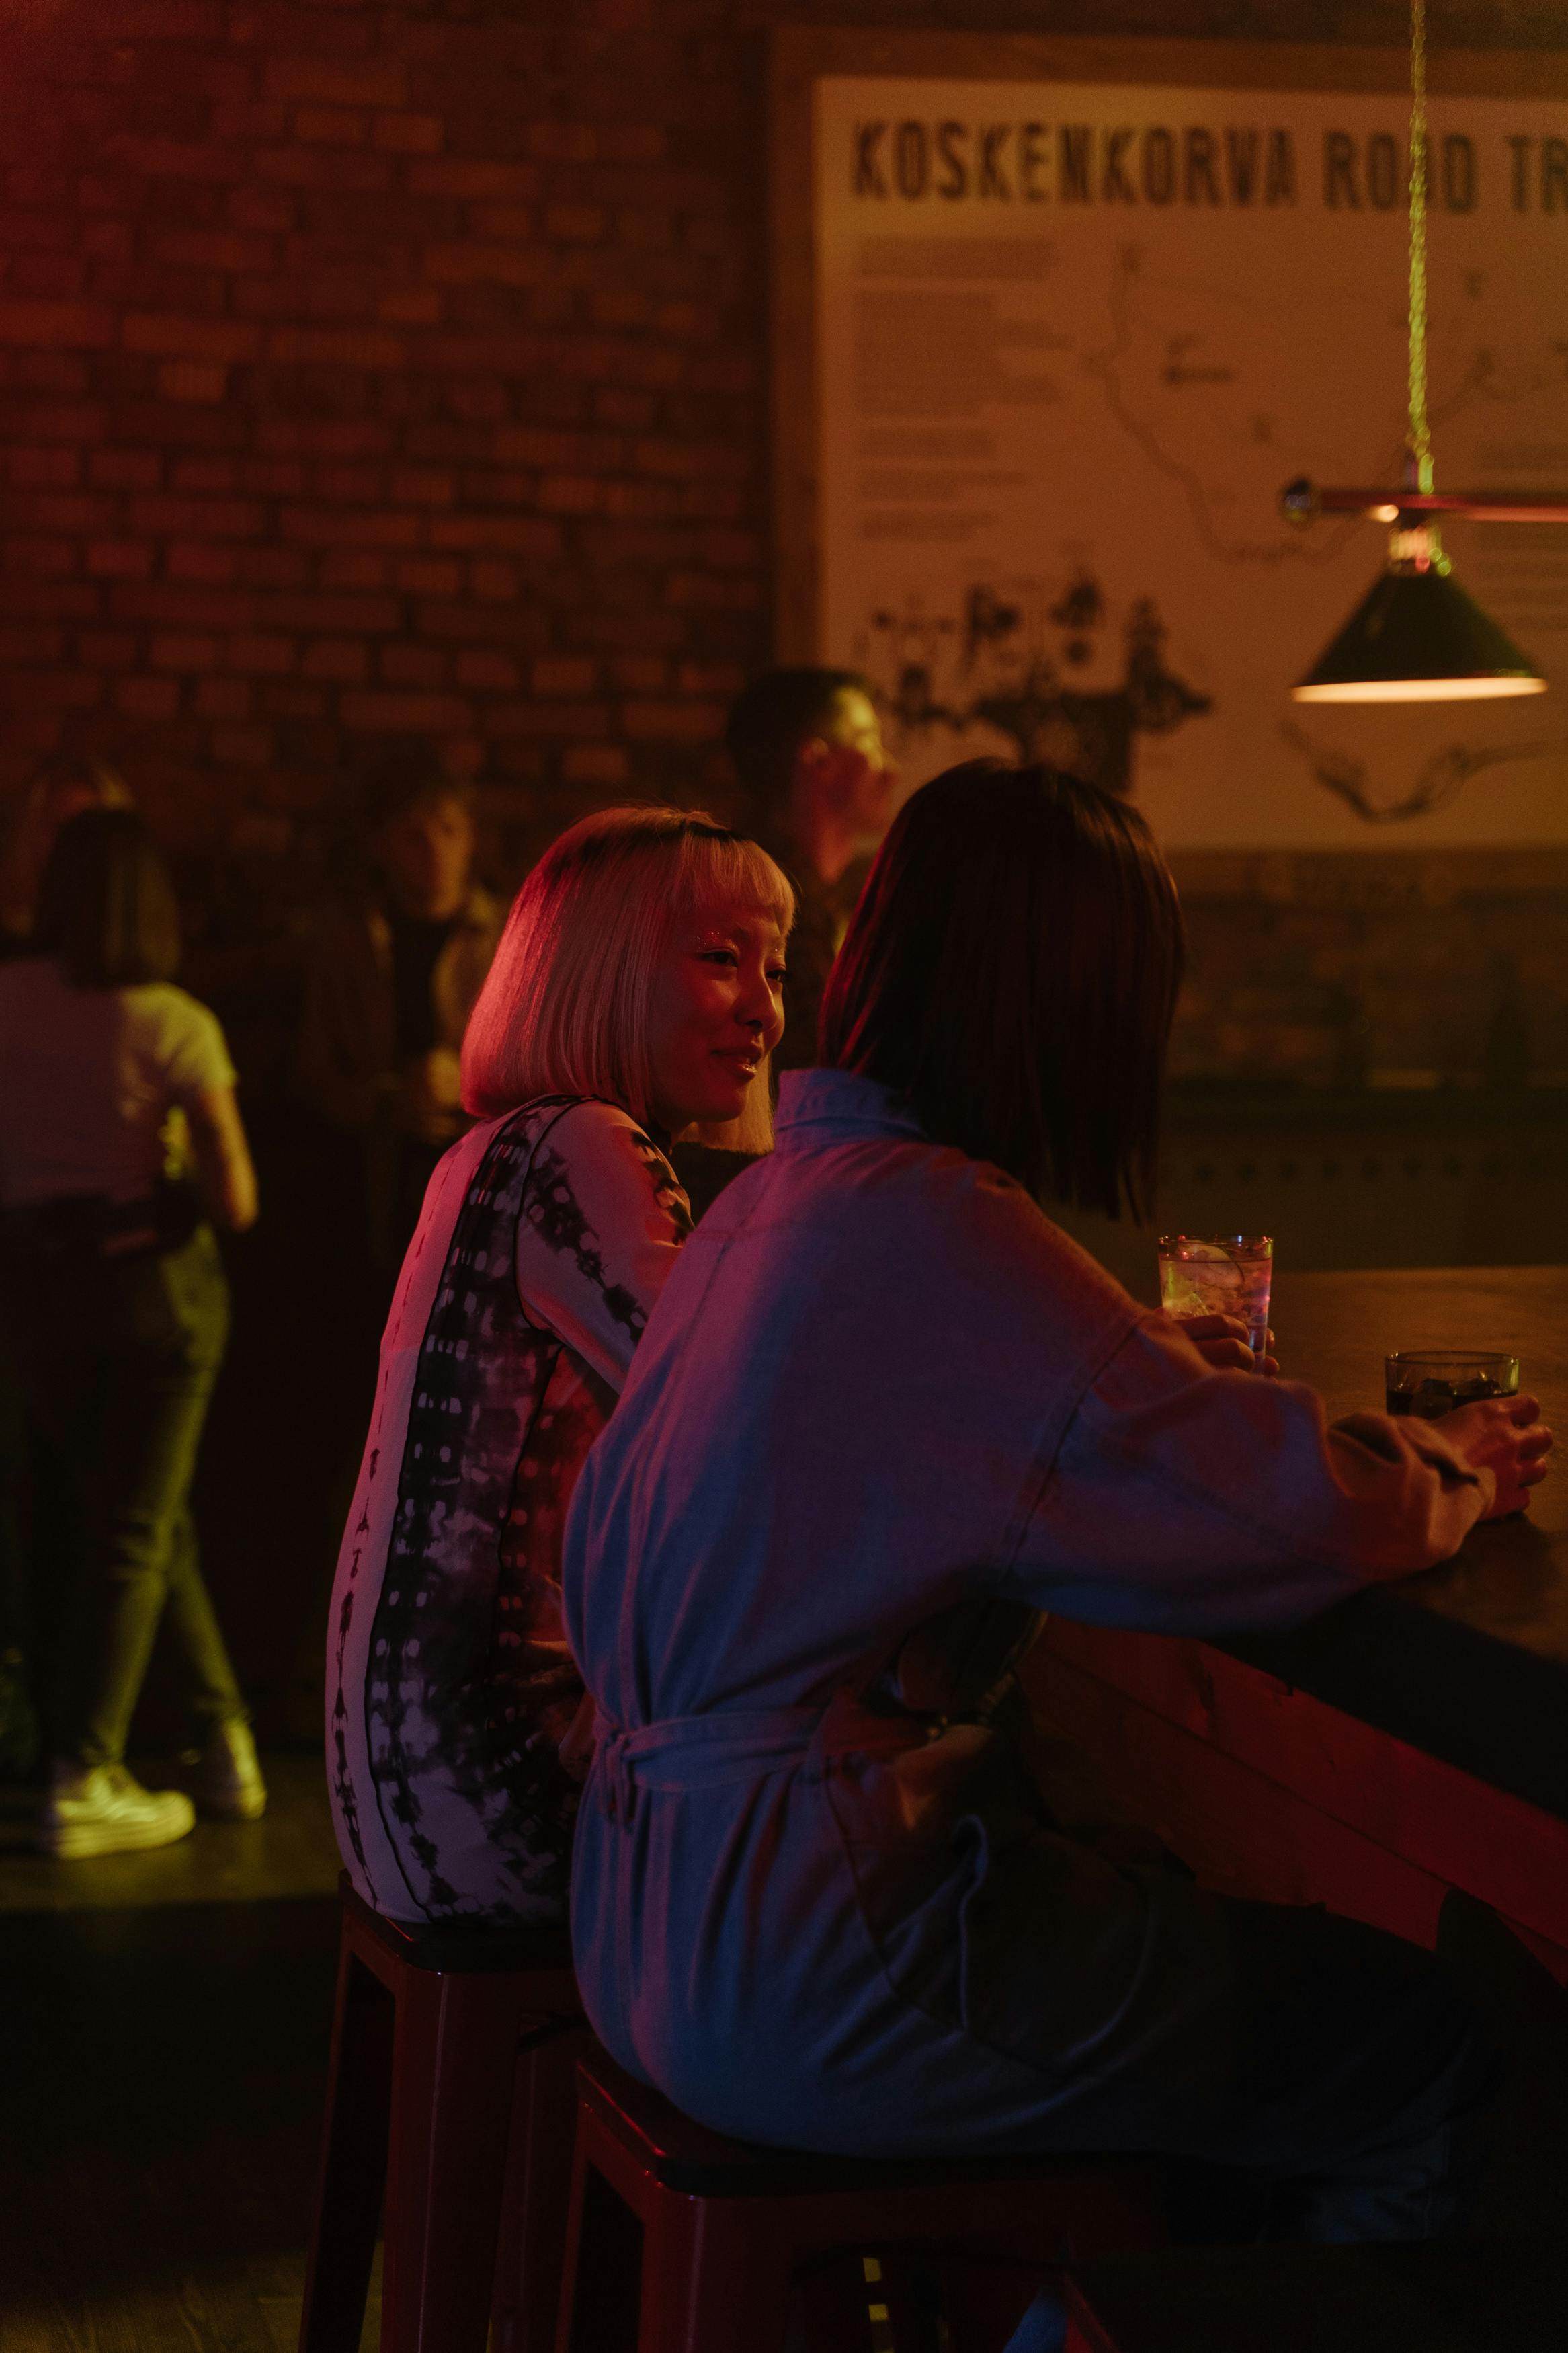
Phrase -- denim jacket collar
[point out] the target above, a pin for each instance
(814, 1106)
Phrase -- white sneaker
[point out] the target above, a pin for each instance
(228, 1780)
(104, 1810)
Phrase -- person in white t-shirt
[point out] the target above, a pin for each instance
(121, 1144)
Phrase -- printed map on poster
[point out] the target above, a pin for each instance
(1073, 341)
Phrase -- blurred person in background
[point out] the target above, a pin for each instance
(806, 744)
(120, 1146)
(394, 973)
(59, 787)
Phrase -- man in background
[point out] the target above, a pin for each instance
(807, 746)
(390, 986)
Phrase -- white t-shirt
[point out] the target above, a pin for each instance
(89, 1079)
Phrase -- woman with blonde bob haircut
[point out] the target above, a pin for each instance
(635, 996)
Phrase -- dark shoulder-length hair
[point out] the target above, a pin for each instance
(106, 904)
(1012, 970)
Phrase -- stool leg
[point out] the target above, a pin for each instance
(716, 2279)
(353, 2163)
(454, 2063)
(537, 2199)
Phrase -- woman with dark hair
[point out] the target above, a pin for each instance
(884, 1414)
(120, 1140)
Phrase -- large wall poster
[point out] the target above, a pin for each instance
(1071, 339)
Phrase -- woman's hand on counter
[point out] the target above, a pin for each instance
(1507, 1437)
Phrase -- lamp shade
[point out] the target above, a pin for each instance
(1417, 638)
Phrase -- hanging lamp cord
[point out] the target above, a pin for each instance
(1420, 430)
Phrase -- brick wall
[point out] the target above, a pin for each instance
(372, 369)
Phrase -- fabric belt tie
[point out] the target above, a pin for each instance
(703, 1751)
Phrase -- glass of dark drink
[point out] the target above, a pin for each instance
(1428, 1383)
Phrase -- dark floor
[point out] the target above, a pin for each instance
(167, 2019)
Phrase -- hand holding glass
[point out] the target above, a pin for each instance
(1223, 1274)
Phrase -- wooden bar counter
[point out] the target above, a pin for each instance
(1413, 1739)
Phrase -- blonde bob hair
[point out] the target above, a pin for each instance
(564, 1009)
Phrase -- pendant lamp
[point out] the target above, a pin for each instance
(1417, 637)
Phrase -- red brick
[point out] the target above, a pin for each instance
(211, 248)
(210, 475)
(178, 335)
(57, 421)
(684, 723)
(509, 535)
(330, 126)
(168, 20)
(548, 719)
(412, 666)
(353, 569)
(430, 577)
(32, 645)
(108, 649)
(595, 764)
(48, 469)
(409, 134)
(223, 698)
(416, 487)
(278, 699)
(126, 470)
(726, 678)
(339, 169)
(452, 176)
(189, 653)
(491, 670)
(502, 265)
(572, 494)
(492, 582)
(38, 556)
(198, 559)
(336, 82)
(509, 625)
(268, 566)
(120, 559)
(335, 347)
(368, 617)
(576, 223)
(258, 656)
(55, 276)
(337, 657)
(352, 527)
(148, 698)
(412, 306)
(504, 223)
(350, 485)
(192, 380)
(160, 601)
(243, 747)
(324, 437)
(563, 674)
(199, 518)
(421, 715)
(271, 478)
(640, 673)
(88, 326)
(269, 211)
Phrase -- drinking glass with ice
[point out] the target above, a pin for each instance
(1219, 1274)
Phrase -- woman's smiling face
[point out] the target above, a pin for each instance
(716, 1011)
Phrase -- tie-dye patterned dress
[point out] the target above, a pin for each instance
(544, 1240)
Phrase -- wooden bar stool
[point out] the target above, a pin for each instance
(440, 2035)
(680, 2241)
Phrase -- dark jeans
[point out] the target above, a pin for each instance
(118, 1357)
